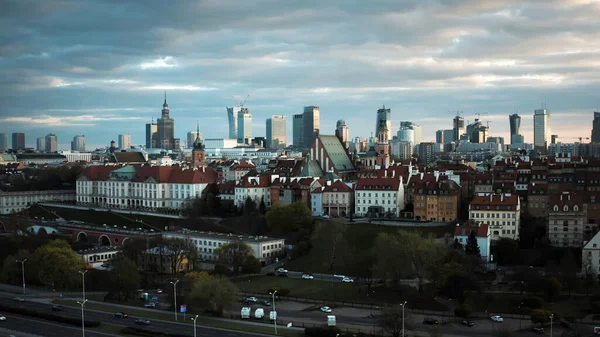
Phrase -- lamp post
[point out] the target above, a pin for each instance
(22, 272)
(403, 306)
(521, 314)
(175, 296)
(82, 303)
(275, 320)
(551, 318)
(194, 319)
(82, 272)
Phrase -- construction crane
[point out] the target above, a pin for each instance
(581, 139)
(244, 102)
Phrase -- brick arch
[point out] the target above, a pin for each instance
(104, 240)
(82, 237)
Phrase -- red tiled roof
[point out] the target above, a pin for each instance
(566, 198)
(481, 230)
(337, 186)
(98, 172)
(392, 184)
(162, 174)
(495, 199)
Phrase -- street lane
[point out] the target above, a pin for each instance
(44, 328)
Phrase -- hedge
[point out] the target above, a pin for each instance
(48, 316)
(148, 333)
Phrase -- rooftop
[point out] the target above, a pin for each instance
(98, 250)
(220, 236)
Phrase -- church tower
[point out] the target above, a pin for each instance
(198, 154)
(382, 147)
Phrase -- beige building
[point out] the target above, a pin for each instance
(336, 199)
(18, 201)
(502, 212)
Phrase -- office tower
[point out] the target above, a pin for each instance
(78, 143)
(343, 131)
(166, 128)
(18, 141)
(417, 131)
(3, 141)
(427, 152)
(276, 132)
(40, 144)
(191, 138)
(458, 127)
(312, 124)
(232, 118)
(406, 134)
(51, 143)
(497, 140)
(515, 124)
(151, 135)
(384, 114)
(439, 137)
(448, 136)
(401, 150)
(541, 129)
(596, 128)
(298, 130)
(124, 142)
(244, 122)
(259, 141)
(554, 139)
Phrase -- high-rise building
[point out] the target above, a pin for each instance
(401, 150)
(78, 143)
(406, 134)
(166, 128)
(298, 130)
(541, 129)
(343, 131)
(554, 139)
(276, 132)
(124, 142)
(417, 130)
(439, 136)
(40, 144)
(458, 127)
(18, 141)
(427, 152)
(191, 138)
(384, 114)
(515, 124)
(244, 125)
(3, 141)
(151, 135)
(232, 118)
(448, 136)
(51, 143)
(596, 128)
(312, 124)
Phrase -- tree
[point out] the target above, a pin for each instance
(214, 294)
(190, 279)
(56, 263)
(289, 218)
(181, 254)
(329, 241)
(11, 270)
(539, 316)
(391, 320)
(568, 271)
(234, 254)
(590, 279)
(507, 252)
(436, 331)
(472, 248)
(262, 207)
(363, 267)
(125, 278)
(251, 265)
(553, 288)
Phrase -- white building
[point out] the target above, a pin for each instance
(74, 156)
(401, 149)
(256, 188)
(406, 134)
(220, 143)
(78, 143)
(541, 129)
(244, 135)
(502, 212)
(590, 256)
(18, 201)
(124, 142)
(337, 199)
(276, 132)
(344, 131)
(316, 201)
(40, 144)
(99, 257)
(482, 233)
(379, 196)
(267, 250)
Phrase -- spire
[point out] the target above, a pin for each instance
(165, 97)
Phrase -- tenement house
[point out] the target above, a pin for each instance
(502, 212)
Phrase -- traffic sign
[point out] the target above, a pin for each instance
(183, 308)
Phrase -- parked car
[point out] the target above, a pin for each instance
(430, 321)
(265, 302)
(467, 323)
(307, 276)
(57, 307)
(259, 313)
(150, 305)
(142, 321)
(538, 331)
(159, 291)
(154, 298)
(120, 315)
(282, 270)
(251, 299)
(2, 318)
(19, 299)
(347, 280)
(497, 319)
(325, 309)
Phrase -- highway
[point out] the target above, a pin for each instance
(44, 328)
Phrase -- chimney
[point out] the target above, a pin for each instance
(385, 173)
(491, 197)
(393, 174)
(501, 197)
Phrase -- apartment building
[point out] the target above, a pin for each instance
(20, 200)
(567, 220)
(236, 170)
(334, 199)
(255, 187)
(482, 233)
(379, 197)
(502, 212)
(437, 201)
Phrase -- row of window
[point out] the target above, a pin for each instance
(383, 194)
(493, 215)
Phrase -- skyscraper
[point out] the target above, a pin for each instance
(417, 130)
(232, 117)
(458, 127)
(406, 134)
(40, 144)
(344, 131)
(541, 129)
(78, 143)
(166, 128)
(384, 114)
(244, 122)
(151, 135)
(439, 136)
(124, 142)
(298, 130)
(3, 141)
(191, 138)
(276, 132)
(596, 128)
(515, 124)
(51, 143)
(18, 141)
(312, 124)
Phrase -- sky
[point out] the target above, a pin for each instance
(100, 67)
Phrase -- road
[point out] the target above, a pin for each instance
(44, 328)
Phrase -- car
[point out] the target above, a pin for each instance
(57, 308)
(307, 276)
(150, 305)
(120, 315)
(538, 331)
(265, 302)
(282, 270)
(19, 299)
(142, 321)
(497, 319)
(154, 298)
(2, 318)
(326, 309)
(325, 216)
(467, 323)
(251, 299)
(159, 291)
(347, 280)
(430, 321)
(338, 276)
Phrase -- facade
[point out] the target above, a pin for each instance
(541, 129)
(437, 201)
(418, 132)
(237, 170)
(515, 124)
(244, 125)
(502, 212)
(482, 233)
(124, 142)
(567, 220)
(595, 128)
(3, 141)
(163, 260)
(51, 143)
(439, 137)
(100, 257)
(406, 134)
(427, 152)
(379, 197)
(78, 143)
(401, 150)
(232, 119)
(384, 115)
(165, 129)
(330, 155)
(458, 127)
(191, 138)
(298, 130)
(343, 131)
(18, 141)
(590, 256)
(18, 201)
(257, 188)
(276, 132)
(151, 135)
(337, 199)
(73, 156)
(312, 124)
(40, 144)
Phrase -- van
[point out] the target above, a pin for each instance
(597, 330)
(259, 313)
(331, 320)
(273, 315)
(246, 312)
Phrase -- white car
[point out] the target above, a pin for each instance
(347, 280)
(497, 319)
(307, 276)
(251, 299)
(282, 270)
(340, 276)
(2, 318)
(159, 291)
(326, 309)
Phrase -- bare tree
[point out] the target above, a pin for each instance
(391, 320)
(329, 240)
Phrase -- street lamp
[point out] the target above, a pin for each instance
(82, 303)
(82, 272)
(403, 306)
(275, 320)
(175, 296)
(194, 319)
(551, 318)
(521, 315)
(22, 272)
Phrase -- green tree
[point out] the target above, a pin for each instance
(234, 254)
(472, 248)
(251, 265)
(506, 252)
(329, 241)
(11, 270)
(190, 279)
(125, 278)
(553, 288)
(539, 316)
(215, 294)
(262, 207)
(568, 271)
(463, 310)
(56, 263)
(289, 218)
(390, 320)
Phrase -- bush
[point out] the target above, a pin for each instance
(48, 316)
(221, 269)
(251, 265)
(542, 316)
(463, 310)
(323, 332)
(533, 302)
(148, 333)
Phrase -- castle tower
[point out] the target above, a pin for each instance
(198, 154)
(382, 147)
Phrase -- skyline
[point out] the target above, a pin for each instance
(421, 60)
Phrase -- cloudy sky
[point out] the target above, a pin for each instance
(99, 68)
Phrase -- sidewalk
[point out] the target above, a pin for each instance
(39, 291)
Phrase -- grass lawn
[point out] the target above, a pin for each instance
(508, 303)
